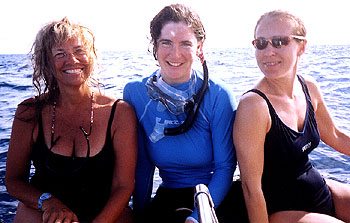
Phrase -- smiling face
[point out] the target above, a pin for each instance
(71, 63)
(273, 62)
(177, 48)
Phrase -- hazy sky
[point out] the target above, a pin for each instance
(124, 24)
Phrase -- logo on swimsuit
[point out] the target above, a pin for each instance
(158, 130)
(307, 146)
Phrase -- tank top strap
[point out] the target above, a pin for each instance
(41, 130)
(111, 118)
(261, 94)
(305, 89)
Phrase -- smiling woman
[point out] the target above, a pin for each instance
(201, 153)
(72, 63)
(177, 49)
(279, 122)
(82, 145)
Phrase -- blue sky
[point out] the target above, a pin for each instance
(124, 25)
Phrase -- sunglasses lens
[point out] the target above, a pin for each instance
(278, 42)
(285, 41)
(260, 44)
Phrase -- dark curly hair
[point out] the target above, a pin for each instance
(175, 13)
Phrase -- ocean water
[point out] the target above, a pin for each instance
(329, 65)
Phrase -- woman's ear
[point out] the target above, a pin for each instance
(302, 47)
(199, 52)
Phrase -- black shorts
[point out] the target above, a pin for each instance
(174, 205)
(308, 192)
(170, 205)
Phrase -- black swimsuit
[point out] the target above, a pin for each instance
(289, 180)
(86, 189)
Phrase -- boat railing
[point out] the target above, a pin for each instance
(205, 205)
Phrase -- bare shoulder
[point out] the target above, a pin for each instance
(123, 106)
(104, 100)
(313, 88)
(29, 102)
(123, 109)
(252, 101)
(311, 83)
(27, 109)
(125, 113)
(124, 118)
(309, 80)
(253, 112)
(26, 117)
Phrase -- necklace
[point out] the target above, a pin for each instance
(53, 142)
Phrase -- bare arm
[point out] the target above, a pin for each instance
(125, 150)
(329, 132)
(18, 158)
(251, 125)
(18, 168)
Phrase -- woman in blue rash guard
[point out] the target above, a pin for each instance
(201, 153)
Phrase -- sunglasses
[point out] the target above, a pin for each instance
(277, 42)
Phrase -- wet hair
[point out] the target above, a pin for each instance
(299, 27)
(49, 36)
(175, 13)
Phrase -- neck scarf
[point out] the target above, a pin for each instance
(175, 100)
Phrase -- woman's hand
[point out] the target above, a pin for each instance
(54, 211)
(189, 221)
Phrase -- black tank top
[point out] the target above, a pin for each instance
(86, 189)
(289, 180)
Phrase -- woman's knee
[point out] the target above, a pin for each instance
(126, 216)
(301, 217)
(341, 198)
(339, 190)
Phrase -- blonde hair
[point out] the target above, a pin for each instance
(51, 35)
(300, 29)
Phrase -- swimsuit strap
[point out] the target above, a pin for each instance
(271, 109)
(111, 118)
(41, 131)
(305, 89)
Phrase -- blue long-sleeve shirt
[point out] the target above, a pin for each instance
(202, 155)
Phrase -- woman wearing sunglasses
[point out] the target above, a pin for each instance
(184, 123)
(278, 123)
(82, 143)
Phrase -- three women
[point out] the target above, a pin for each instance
(278, 124)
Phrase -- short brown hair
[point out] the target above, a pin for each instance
(175, 13)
